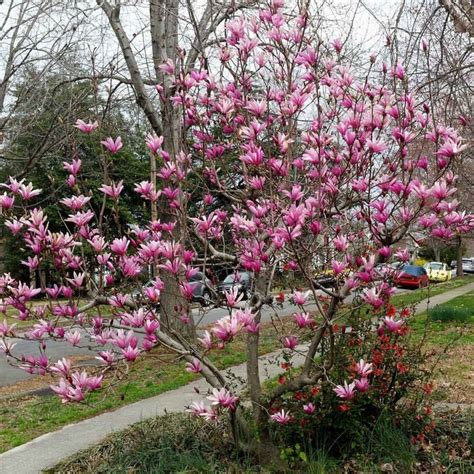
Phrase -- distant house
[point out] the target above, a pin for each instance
(468, 243)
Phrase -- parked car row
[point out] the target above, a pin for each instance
(411, 276)
(239, 281)
(204, 291)
(467, 265)
(438, 271)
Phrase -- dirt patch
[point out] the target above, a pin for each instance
(454, 376)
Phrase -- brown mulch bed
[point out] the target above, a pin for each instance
(454, 376)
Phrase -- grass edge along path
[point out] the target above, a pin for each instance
(43, 416)
(416, 296)
(25, 417)
(49, 449)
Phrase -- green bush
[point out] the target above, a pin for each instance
(450, 313)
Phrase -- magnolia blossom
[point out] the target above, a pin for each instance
(226, 328)
(398, 71)
(130, 353)
(73, 167)
(84, 127)
(106, 357)
(346, 391)
(362, 385)
(194, 367)
(233, 296)
(73, 337)
(290, 342)
(206, 340)
(223, 398)
(393, 324)
(283, 417)
(373, 298)
(197, 408)
(309, 408)
(300, 298)
(7, 346)
(6, 329)
(6, 201)
(113, 190)
(114, 146)
(28, 192)
(153, 142)
(303, 320)
(62, 367)
(147, 191)
(67, 392)
(363, 368)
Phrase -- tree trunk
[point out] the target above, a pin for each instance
(253, 372)
(164, 31)
(165, 41)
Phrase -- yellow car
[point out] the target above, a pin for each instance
(438, 271)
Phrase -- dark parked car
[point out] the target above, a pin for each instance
(412, 276)
(203, 289)
(241, 281)
(467, 265)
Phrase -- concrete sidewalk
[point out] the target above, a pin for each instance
(424, 305)
(47, 450)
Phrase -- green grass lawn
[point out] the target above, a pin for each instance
(415, 296)
(443, 333)
(453, 373)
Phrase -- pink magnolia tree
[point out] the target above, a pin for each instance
(290, 160)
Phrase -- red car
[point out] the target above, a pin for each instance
(412, 276)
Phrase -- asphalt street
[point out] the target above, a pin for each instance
(57, 350)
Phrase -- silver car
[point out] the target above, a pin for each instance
(467, 265)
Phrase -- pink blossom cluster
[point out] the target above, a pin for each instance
(221, 399)
(361, 385)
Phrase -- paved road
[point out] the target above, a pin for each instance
(57, 350)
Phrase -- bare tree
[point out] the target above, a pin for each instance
(36, 39)
(165, 18)
(461, 13)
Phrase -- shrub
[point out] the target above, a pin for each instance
(390, 407)
(446, 313)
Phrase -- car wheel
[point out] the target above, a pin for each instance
(206, 298)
